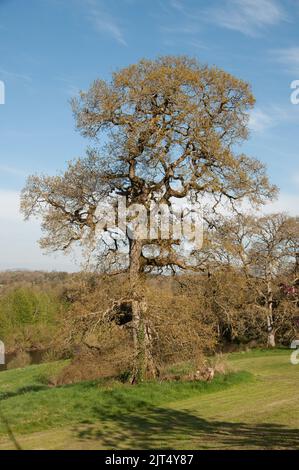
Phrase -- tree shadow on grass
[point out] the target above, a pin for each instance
(163, 428)
(22, 391)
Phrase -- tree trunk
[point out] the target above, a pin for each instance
(271, 339)
(271, 333)
(142, 340)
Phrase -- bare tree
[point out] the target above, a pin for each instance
(262, 248)
(275, 245)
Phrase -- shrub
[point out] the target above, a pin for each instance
(29, 318)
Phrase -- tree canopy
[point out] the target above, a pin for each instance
(161, 129)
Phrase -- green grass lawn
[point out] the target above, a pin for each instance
(255, 407)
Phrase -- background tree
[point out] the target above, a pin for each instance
(163, 130)
(262, 248)
(275, 246)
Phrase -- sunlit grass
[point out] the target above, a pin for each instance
(29, 405)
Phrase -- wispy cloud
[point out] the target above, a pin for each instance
(268, 117)
(9, 207)
(172, 42)
(104, 22)
(15, 76)
(249, 17)
(12, 171)
(186, 10)
(196, 44)
(181, 24)
(69, 87)
(289, 57)
(180, 29)
(286, 202)
(296, 178)
(260, 120)
(178, 5)
(18, 240)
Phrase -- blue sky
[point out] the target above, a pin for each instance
(50, 49)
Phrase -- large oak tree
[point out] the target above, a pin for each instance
(161, 129)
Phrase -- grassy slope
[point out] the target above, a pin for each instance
(239, 411)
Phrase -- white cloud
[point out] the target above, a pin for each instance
(249, 17)
(186, 27)
(286, 202)
(12, 171)
(289, 57)
(15, 76)
(9, 206)
(180, 29)
(104, 22)
(19, 247)
(260, 121)
(296, 178)
(178, 5)
(69, 87)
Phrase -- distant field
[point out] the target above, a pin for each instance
(254, 407)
